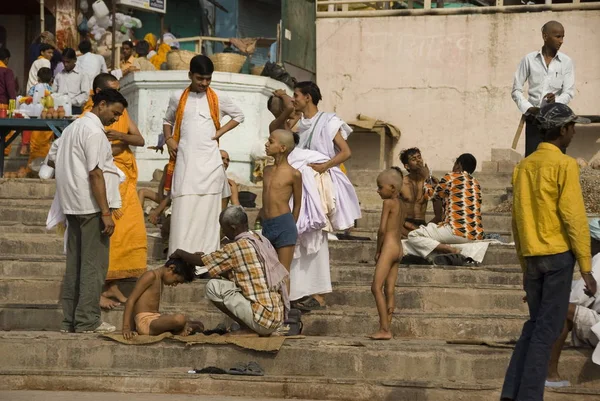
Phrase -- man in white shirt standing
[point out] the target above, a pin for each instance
(72, 81)
(90, 63)
(195, 174)
(551, 78)
(87, 185)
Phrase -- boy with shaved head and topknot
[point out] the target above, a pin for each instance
(282, 182)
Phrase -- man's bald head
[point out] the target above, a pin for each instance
(105, 81)
(551, 25)
(553, 34)
(225, 158)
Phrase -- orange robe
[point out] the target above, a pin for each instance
(128, 244)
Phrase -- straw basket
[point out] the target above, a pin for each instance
(179, 59)
(257, 70)
(228, 62)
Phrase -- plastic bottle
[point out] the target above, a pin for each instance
(100, 9)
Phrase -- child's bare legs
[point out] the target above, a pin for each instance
(382, 270)
(390, 290)
(146, 193)
(177, 324)
(285, 256)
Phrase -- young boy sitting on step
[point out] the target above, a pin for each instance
(144, 301)
(389, 249)
(282, 182)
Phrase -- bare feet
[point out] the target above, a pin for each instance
(185, 331)
(113, 291)
(390, 316)
(196, 326)
(22, 172)
(107, 303)
(381, 335)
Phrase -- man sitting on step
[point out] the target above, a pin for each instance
(414, 191)
(253, 292)
(462, 213)
(583, 317)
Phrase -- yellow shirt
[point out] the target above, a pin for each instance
(548, 212)
(127, 63)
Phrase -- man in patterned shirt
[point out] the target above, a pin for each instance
(461, 194)
(250, 293)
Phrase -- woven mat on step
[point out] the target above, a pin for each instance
(263, 344)
(139, 339)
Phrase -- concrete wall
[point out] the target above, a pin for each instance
(148, 95)
(445, 81)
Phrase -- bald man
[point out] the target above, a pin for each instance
(550, 75)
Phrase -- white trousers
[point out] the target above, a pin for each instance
(195, 223)
(424, 240)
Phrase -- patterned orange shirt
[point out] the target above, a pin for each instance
(461, 194)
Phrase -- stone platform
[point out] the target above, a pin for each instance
(435, 304)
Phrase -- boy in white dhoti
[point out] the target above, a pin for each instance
(195, 175)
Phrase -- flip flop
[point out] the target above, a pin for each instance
(560, 384)
(309, 305)
(251, 369)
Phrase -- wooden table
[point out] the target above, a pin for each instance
(7, 125)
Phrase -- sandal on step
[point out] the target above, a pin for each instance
(251, 369)
(309, 305)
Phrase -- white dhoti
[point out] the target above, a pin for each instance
(583, 321)
(195, 223)
(310, 273)
(424, 240)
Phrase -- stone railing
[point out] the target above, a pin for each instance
(359, 8)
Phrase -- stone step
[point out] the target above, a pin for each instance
(17, 246)
(350, 273)
(35, 215)
(334, 321)
(167, 382)
(367, 178)
(492, 221)
(38, 189)
(370, 199)
(330, 357)
(339, 251)
(444, 298)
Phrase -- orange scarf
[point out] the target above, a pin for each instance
(2, 65)
(213, 106)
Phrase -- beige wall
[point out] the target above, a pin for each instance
(445, 81)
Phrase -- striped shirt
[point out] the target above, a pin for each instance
(240, 263)
(461, 194)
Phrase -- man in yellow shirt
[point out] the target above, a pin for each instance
(551, 233)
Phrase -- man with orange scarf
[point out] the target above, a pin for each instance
(128, 244)
(195, 175)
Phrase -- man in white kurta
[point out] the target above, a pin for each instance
(199, 176)
(324, 133)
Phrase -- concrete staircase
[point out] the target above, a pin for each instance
(434, 304)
